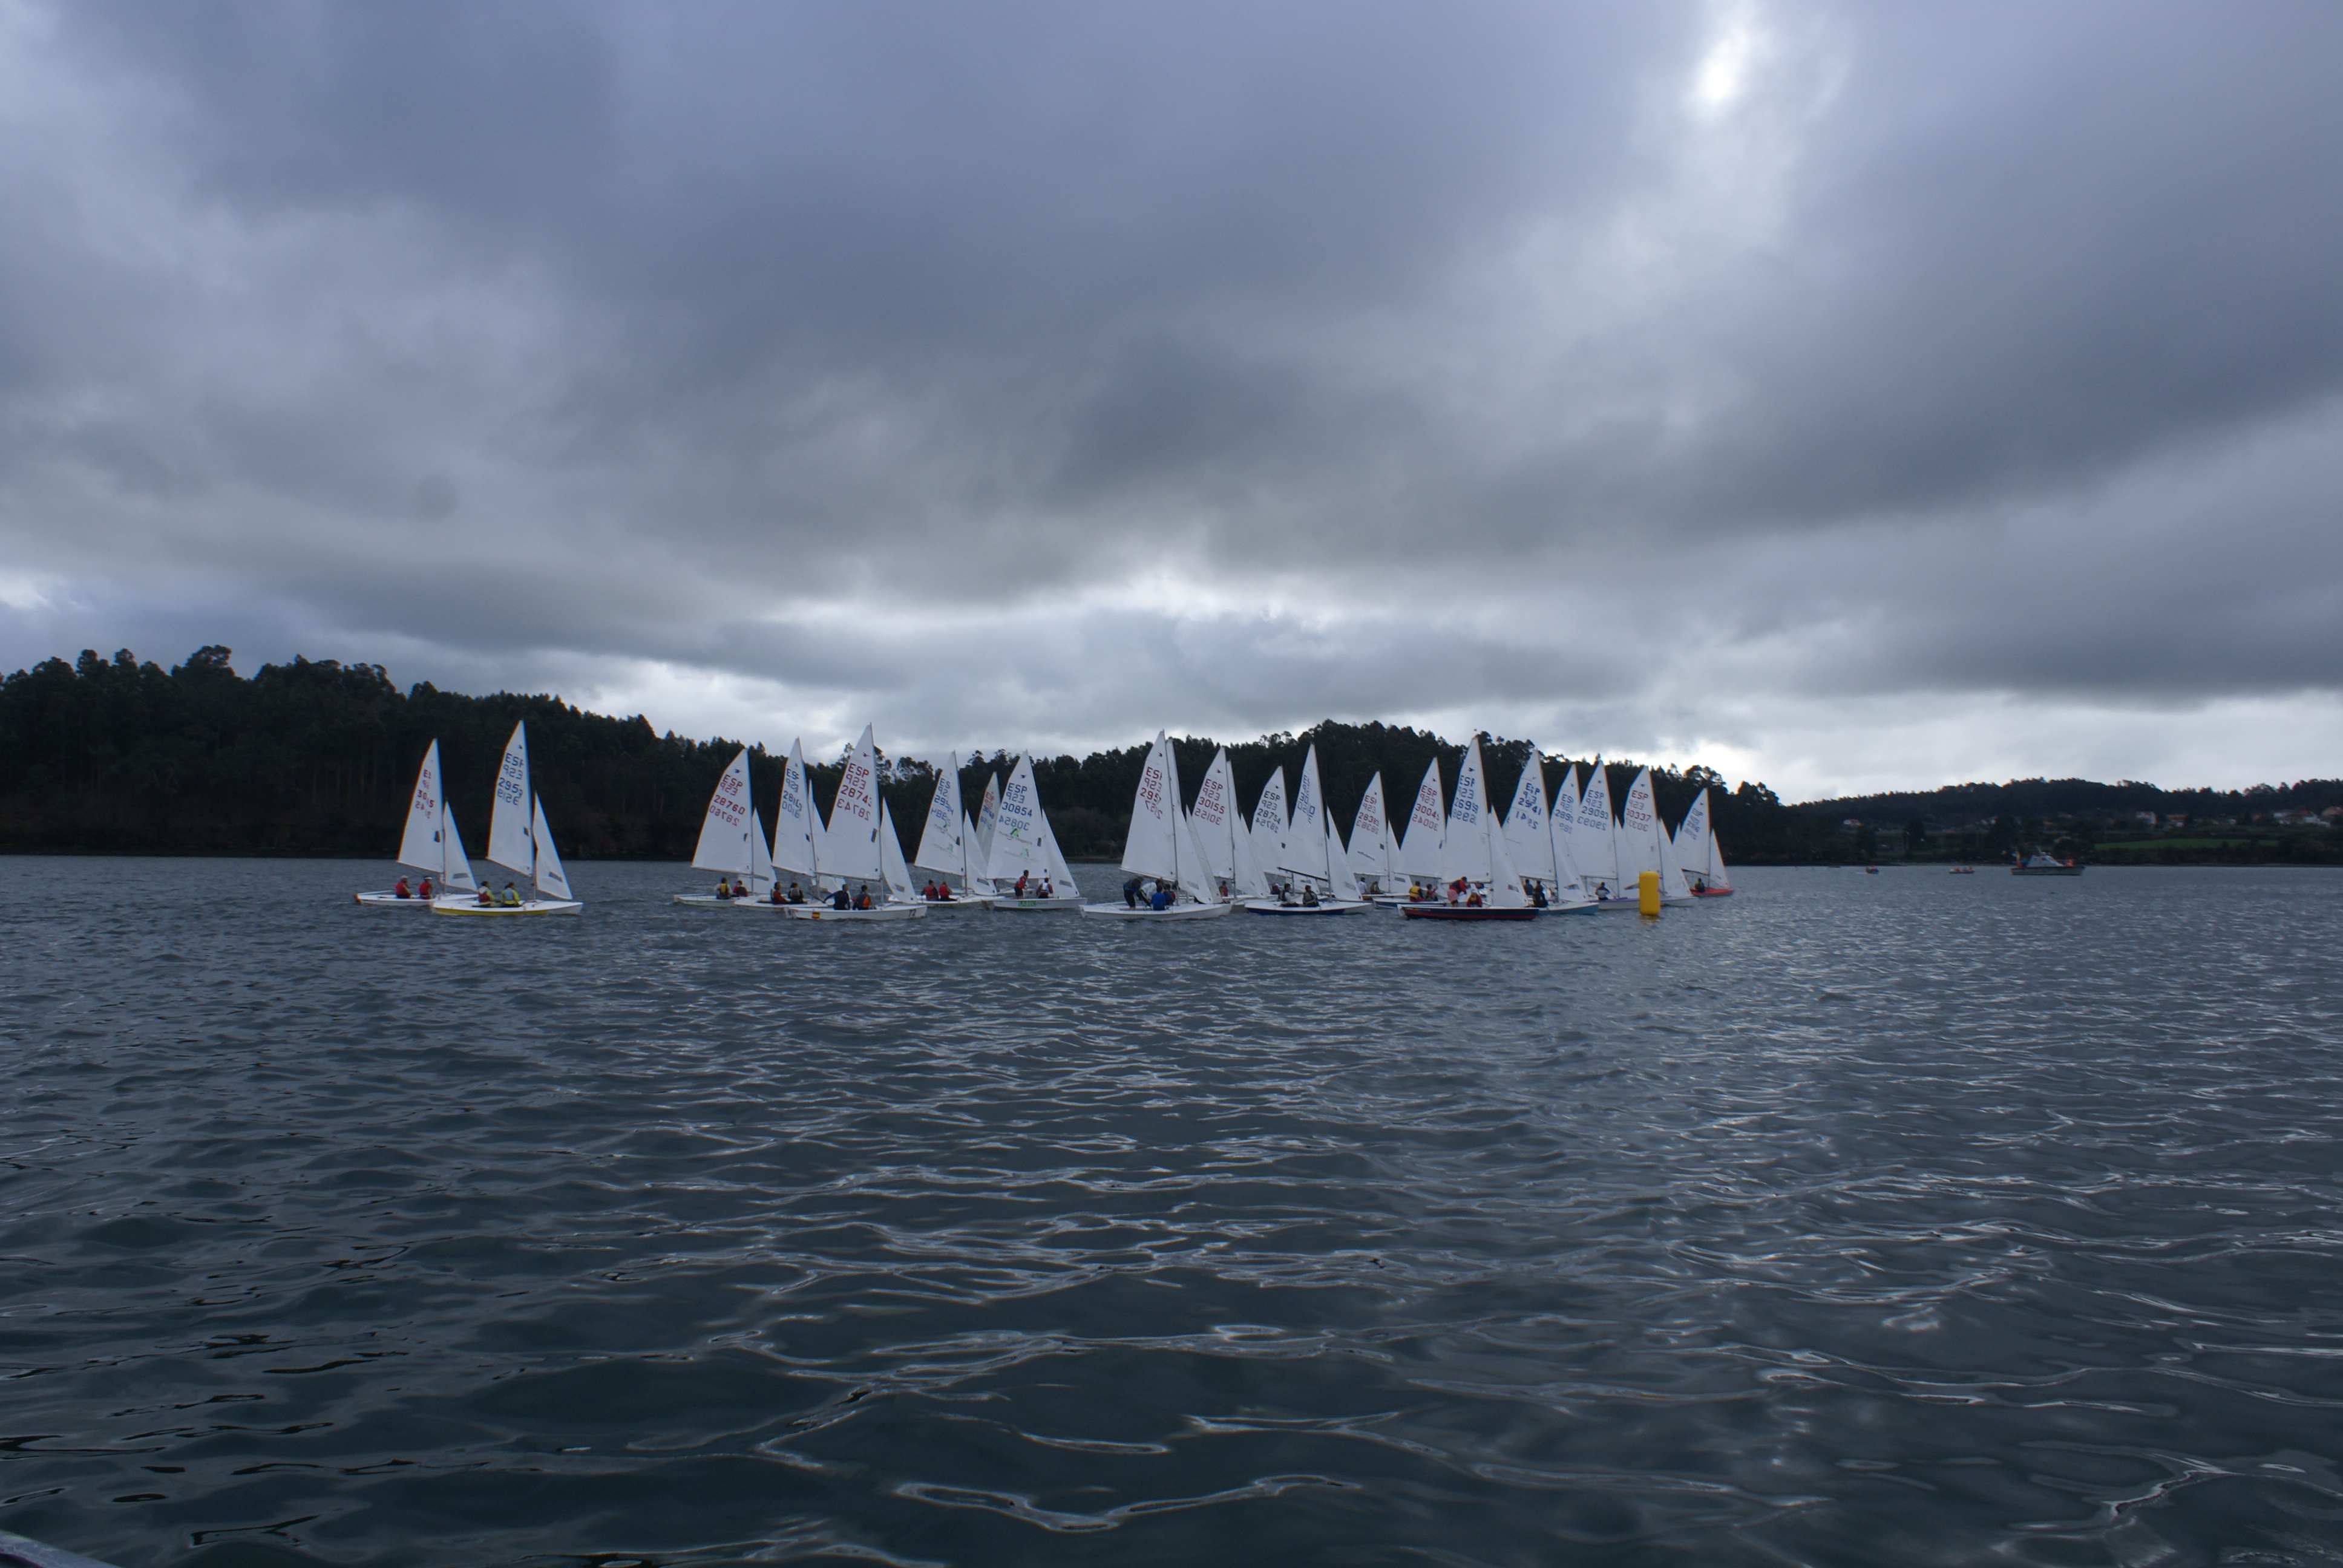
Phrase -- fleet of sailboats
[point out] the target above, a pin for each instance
(1458, 858)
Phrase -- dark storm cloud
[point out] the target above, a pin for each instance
(1896, 350)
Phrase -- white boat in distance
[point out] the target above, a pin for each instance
(950, 845)
(519, 840)
(429, 844)
(1697, 852)
(1161, 845)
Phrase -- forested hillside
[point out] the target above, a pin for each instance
(317, 758)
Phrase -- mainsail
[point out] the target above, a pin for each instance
(419, 845)
(1161, 843)
(725, 835)
(509, 844)
(796, 824)
(1222, 834)
(1594, 843)
(1305, 832)
(851, 847)
(1420, 852)
(1269, 823)
(943, 843)
(1370, 855)
(1023, 843)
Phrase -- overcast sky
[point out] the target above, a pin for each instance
(1847, 397)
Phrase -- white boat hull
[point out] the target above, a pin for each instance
(860, 917)
(526, 907)
(1323, 907)
(390, 901)
(710, 901)
(1176, 912)
(1009, 903)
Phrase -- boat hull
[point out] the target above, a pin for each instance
(971, 903)
(2045, 870)
(1712, 892)
(388, 901)
(1323, 906)
(1176, 912)
(1466, 912)
(528, 907)
(1010, 904)
(858, 917)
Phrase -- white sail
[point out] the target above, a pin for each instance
(724, 833)
(977, 882)
(419, 845)
(1269, 823)
(455, 867)
(1465, 850)
(549, 876)
(1151, 846)
(760, 856)
(1023, 842)
(987, 819)
(1672, 877)
(1562, 825)
(891, 859)
(1370, 837)
(1639, 833)
(797, 825)
(1593, 844)
(1504, 878)
(941, 846)
(1339, 880)
(1222, 837)
(1696, 847)
(1305, 830)
(1427, 824)
(1390, 855)
(509, 845)
(850, 847)
(1527, 840)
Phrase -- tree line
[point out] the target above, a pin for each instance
(317, 757)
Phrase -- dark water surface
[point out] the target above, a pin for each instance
(1855, 1220)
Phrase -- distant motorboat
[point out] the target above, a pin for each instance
(2041, 865)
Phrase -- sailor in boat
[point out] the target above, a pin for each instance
(424, 891)
(510, 896)
(399, 891)
(1021, 883)
(1601, 890)
(1309, 896)
(797, 895)
(777, 894)
(1536, 890)
(839, 899)
(862, 899)
(723, 888)
(1699, 883)
(1049, 888)
(1131, 886)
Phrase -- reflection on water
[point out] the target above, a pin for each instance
(1895, 1219)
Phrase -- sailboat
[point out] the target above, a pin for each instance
(1529, 840)
(1023, 846)
(1643, 843)
(519, 840)
(732, 839)
(1269, 828)
(949, 844)
(429, 844)
(1474, 852)
(1696, 852)
(1222, 834)
(1312, 852)
(797, 827)
(851, 851)
(1161, 845)
(1562, 827)
(1594, 841)
(1374, 859)
(1420, 852)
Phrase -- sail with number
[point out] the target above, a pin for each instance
(1639, 832)
(1528, 840)
(1697, 851)
(1465, 851)
(1023, 843)
(944, 842)
(1161, 844)
(727, 841)
(1427, 824)
(509, 845)
(1370, 847)
(1562, 824)
(1594, 839)
(849, 849)
(430, 841)
(1222, 834)
(797, 822)
(1305, 828)
(1269, 824)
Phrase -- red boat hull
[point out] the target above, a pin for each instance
(1464, 912)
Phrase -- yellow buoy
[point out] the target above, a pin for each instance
(1647, 892)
